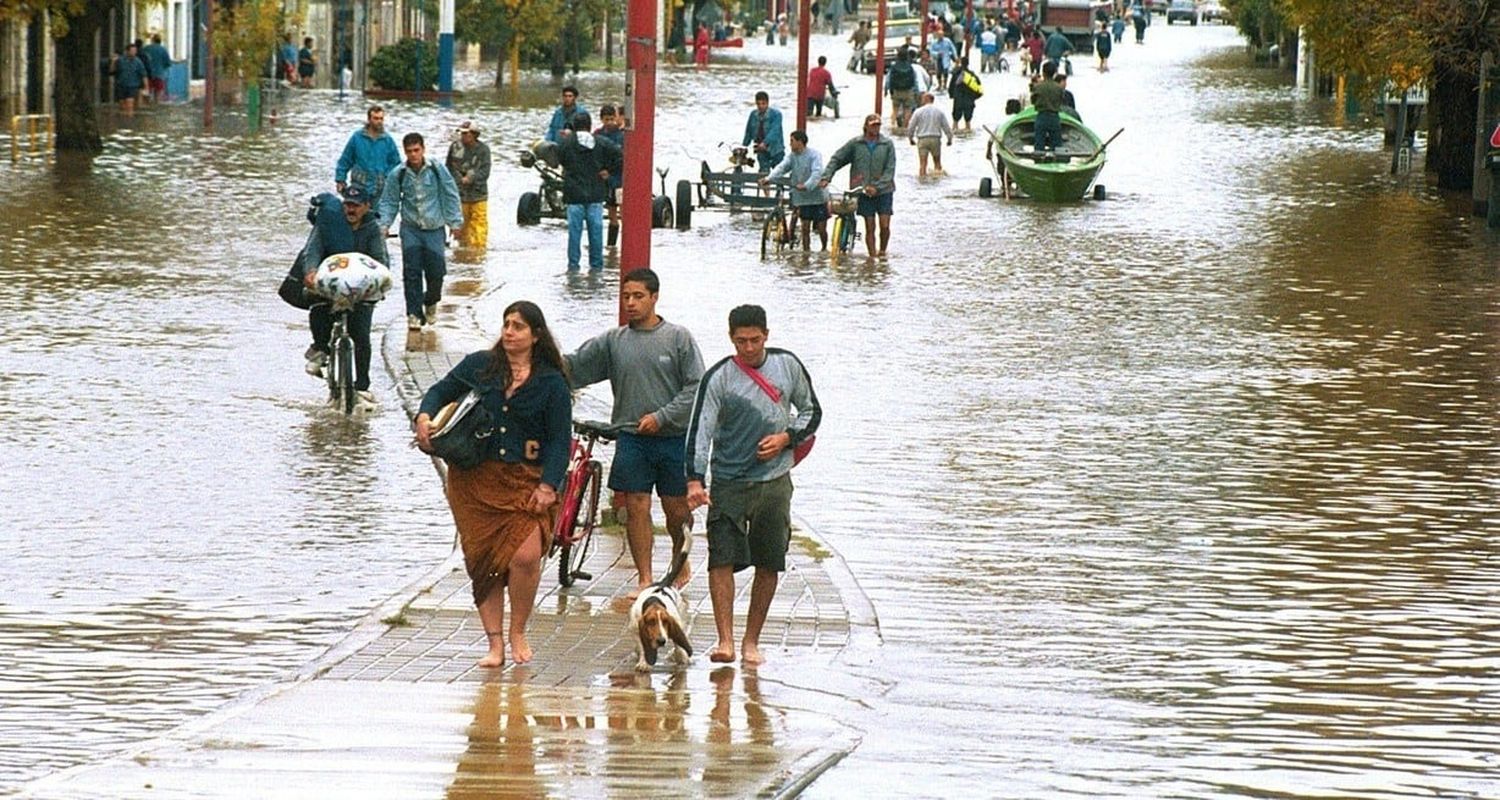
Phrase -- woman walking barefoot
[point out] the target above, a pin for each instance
(503, 507)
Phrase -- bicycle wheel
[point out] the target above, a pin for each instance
(848, 234)
(570, 560)
(345, 394)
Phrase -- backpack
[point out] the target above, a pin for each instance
(903, 77)
(971, 82)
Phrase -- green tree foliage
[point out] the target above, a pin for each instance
(246, 35)
(1378, 41)
(407, 65)
(24, 11)
(1263, 22)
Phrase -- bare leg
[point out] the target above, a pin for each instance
(678, 516)
(806, 236)
(937, 162)
(922, 164)
(638, 534)
(492, 616)
(870, 236)
(822, 234)
(885, 232)
(525, 576)
(762, 591)
(721, 592)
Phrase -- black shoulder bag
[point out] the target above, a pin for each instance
(461, 431)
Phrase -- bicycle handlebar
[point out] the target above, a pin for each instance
(600, 430)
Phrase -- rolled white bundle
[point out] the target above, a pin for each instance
(349, 278)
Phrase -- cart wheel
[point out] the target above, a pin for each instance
(986, 187)
(684, 205)
(1098, 191)
(661, 212)
(529, 209)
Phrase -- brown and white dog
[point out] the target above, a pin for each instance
(656, 616)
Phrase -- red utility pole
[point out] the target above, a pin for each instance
(879, 55)
(924, 26)
(640, 89)
(804, 30)
(208, 65)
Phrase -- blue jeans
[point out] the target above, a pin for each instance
(422, 258)
(593, 214)
(1046, 131)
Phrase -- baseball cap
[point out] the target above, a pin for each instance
(354, 193)
(469, 127)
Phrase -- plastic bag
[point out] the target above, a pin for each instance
(345, 279)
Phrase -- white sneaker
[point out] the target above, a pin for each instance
(431, 313)
(365, 399)
(315, 362)
(413, 322)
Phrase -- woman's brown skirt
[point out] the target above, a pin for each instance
(489, 505)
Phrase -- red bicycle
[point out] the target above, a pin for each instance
(578, 504)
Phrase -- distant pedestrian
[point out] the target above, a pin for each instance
(1103, 46)
(819, 84)
(562, 116)
(700, 47)
(901, 85)
(286, 59)
(613, 130)
(943, 54)
(965, 89)
(130, 78)
(469, 163)
(1057, 47)
(751, 411)
(424, 195)
(653, 367)
(587, 163)
(803, 167)
(989, 50)
(1117, 28)
(368, 156)
(1035, 53)
(503, 506)
(871, 158)
(158, 61)
(763, 133)
(928, 127)
(1139, 19)
(307, 63)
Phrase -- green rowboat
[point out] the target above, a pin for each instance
(1052, 176)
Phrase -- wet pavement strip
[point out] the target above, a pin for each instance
(400, 710)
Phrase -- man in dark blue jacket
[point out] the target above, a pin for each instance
(587, 163)
(354, 230)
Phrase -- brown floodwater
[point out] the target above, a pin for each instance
(1186, 493)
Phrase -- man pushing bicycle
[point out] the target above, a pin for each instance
(653, 367)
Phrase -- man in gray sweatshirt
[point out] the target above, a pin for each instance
(653, 367)
(752, 412)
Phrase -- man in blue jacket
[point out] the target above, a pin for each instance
(355, 230)
(423, 194)
(369, 155)
(562, 116)
(763, 130)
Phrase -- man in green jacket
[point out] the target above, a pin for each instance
(871, 158)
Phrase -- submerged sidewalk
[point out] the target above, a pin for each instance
(399, 710)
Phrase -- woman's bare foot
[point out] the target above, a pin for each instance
(496, 656)
(722, 653)
(751, 653)
(519, 648)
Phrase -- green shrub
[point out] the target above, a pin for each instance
(408, 65)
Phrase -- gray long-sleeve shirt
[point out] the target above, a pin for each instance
(871, 163)
(732, 414)
(650, 370)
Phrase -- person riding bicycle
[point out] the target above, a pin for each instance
(354, 230)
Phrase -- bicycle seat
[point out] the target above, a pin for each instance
(595, 428)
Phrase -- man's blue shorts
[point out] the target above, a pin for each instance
(645, 462)
(879, 204)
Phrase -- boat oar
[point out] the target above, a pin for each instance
(1106, 144)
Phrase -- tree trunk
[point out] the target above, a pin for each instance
(559, 55)
(1452, 106)
(74, 88)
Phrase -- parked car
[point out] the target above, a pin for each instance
(1182, 10)
(895, 34)
(1212, 11)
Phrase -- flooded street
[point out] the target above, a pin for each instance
(1187, 493)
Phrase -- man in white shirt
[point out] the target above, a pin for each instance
(929, 124)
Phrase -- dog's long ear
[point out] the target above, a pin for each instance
(674, 632)
(648, 643)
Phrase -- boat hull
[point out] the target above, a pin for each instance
(1060, 176)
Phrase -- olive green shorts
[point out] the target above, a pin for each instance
(750, 524)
